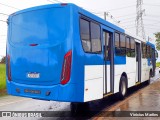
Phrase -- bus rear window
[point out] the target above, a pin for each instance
(43, 26)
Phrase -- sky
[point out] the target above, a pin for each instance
(118, 10)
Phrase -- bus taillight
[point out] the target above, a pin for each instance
(8, 68)
(66, 69)
(64, 4)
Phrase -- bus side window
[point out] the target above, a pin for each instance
(128, 47)
(106, 40)
(148, 51)
(117, 44)
(85, 35)
(122, 45)
(143, 50)
(95, 38)
(132, 42)
(156, 54)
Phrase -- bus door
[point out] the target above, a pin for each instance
(153, 61)
(108, 62)
(138, 62)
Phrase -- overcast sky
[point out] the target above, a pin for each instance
(121, 10)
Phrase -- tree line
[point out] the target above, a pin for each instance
(3, 60)
(157, 35)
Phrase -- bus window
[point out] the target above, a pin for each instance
(95, 37)
(143, 50)
(128, 47)
(85, 35)
(123, 45)
(90, 36)
(120, 44)
(107, 45)
(156, 54)
(148, 51)
(117, 44)
(132, 42)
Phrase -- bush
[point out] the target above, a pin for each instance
(158, 64)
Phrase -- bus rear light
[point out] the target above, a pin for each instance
(8, 68)
(63, 4)
(66, 69)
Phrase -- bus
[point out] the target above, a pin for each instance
(62, 52)
(152, 59)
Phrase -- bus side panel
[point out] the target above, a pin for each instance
(88, 70)
(131, 71)
(82, 62)
(145, 73)
(119, 68)
(93, 82)
(78, 58)
(92, 73)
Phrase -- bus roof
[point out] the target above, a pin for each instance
(79, 9)
(100, 20)
(36, 8)
(83, 12)
(151, 44)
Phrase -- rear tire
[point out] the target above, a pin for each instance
(74, 108)
(123, 88)
(78, 108)
(149, 81)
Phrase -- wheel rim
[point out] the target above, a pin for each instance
(123, 88)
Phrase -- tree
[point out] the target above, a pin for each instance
(3, 60)
(157, 35)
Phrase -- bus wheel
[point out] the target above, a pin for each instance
(74, 108)
(79, 108)
(123, 88)
(148, 81)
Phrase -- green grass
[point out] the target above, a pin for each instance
(2, 77)
(158, 64)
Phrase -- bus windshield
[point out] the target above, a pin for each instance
(42, 26)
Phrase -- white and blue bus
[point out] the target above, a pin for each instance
(62, 52)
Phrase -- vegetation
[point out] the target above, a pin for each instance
(2, 79)
(158, 64)
(157, 35)
(3, 60)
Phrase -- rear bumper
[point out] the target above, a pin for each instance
(65, 93)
